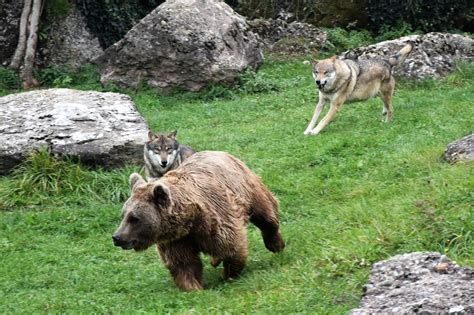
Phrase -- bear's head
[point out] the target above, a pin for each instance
(142, 214)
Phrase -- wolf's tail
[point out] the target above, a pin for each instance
(400, 56)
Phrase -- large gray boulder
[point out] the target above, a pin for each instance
(289, 38)
(70, 42)
(434, 54)
(100, 129)
(182, 43)
(460, 150)
(424, 283)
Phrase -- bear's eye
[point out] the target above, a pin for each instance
(133, 219)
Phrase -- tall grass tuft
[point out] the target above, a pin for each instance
(43, 176)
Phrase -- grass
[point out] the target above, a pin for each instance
(360, 192)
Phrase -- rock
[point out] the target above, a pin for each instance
(460, 150)
(294, 38)
(182, 43)
(427, 283)
(434, 54)
(70, 42)
(10, 24)
(100, 129)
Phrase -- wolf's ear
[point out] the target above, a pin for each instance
(161, 195)
(151, 135)
(314, 62)
(333, 58)
(172, 134)
(135, 180)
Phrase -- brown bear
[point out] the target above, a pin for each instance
(202, 206)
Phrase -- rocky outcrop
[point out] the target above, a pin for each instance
(70, 42)
(434, 54)
(425, 283)
(460, 150)
(99, 129)
(10, 13)
(292, 38)
(182, 43)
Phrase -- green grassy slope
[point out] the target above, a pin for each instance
(361, 191)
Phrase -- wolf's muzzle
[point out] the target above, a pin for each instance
(320, 84)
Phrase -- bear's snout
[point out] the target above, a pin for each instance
(118, 241)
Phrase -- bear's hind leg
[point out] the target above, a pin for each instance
(264, 214)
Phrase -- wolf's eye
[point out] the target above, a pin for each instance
(133, 219)
(325, 72)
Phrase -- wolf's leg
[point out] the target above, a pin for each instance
(317, 112)
(264, 215)
(182, 260)
(386, 92)
(335, 106)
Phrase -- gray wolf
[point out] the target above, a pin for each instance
(339, 81)
(163, 153)
(202, 206)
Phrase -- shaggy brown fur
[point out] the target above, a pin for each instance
(203, 206)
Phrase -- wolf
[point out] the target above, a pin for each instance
(339, 81)
(163, 153)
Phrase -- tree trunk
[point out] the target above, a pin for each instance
(27, 71)
(21, 46)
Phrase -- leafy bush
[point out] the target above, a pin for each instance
(426, 16)
(63, 76)
(398, 30)
(340, 39)
(9, 80)
(251, 82)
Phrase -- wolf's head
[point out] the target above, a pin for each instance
(162, 149)
(144, 215)
(324, 73)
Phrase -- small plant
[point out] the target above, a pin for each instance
(388, 32)
(54, 76)
(9, 80)
(340, 39)
(252, 82)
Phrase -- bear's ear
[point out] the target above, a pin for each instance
(135, 180)
(161, 195)
(172, 135)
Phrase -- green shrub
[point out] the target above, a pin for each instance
(426, 16)
(64, 76)
(251, 82)
(340, 39)
(9, 80)
(388, 32)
